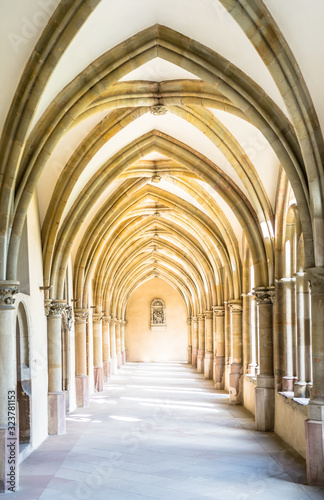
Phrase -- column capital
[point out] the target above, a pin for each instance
(315, 276)
(112, 321)
(7, 291)
(47, 306)
(194, 319)
(106, 319)
(235, 306)
(56, 308)
(264, 295)
(219, 310)
(189, 321)
(81, 315)
(67, 317)
(201, 317)
(97, 317)
(209, 314)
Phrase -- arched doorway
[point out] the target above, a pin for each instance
(23, 377)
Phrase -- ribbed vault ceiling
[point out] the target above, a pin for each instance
(154, 138)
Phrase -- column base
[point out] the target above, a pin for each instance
(300, 390)
(219, 372)
(200, 360)
(288, 384)
(113, 366)
(314, 430)
(264, 403)
(189, 355)
(82, 391)
(56, 413)
(98, 378)
(194, 357)
(9, 464)
(106, 370)
(208, 365)
(235, 384)
(119, 360)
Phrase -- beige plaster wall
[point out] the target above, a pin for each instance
(290, 422)
(145, 344)
(249, 393)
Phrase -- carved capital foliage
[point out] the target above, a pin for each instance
(112, 321)
(47, 306)
(106, 319)
(264, 295)
(219, 310)
(67, 318)
(208, 314)
(56, 308)
(315, 276)
(81, 315)
(7, 291)
(97, 318)
(235, 306)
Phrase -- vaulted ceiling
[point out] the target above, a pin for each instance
(154, 134)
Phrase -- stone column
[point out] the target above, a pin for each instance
(236, 369)
(122, 341)
(246, 333)
(278, 335)
(118, 344)
(209, 354)
(219, 312)
(189, 348)
(106, 347)
(301, 299)
(315, 423)
(194, 328)
(289, 333)
(228, 340)
(201, 343)
(56, 396)
(81, 373)
(264, 392)
(9, 427)
(97, 352)
(113, 350)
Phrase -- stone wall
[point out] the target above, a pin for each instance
(165, 344)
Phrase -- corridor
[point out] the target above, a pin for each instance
(159, 430)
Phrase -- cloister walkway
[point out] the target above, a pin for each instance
(159, 430)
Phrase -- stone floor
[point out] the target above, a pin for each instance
(159, 430)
